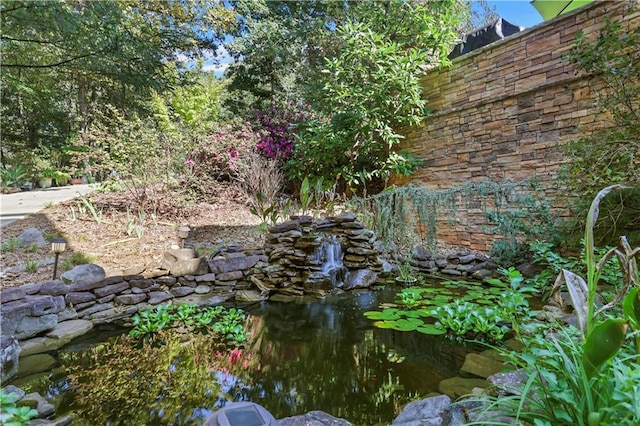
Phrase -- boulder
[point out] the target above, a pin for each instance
(9, 354)
(36, 364)
(455, 387)
(32, 237)
(427, 412)
(362, 278)
(29, 326)
(36, 401)
(84, 277)
(481, 365)
(313, 418)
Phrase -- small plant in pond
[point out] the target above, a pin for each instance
(10, 414)
(226, 324)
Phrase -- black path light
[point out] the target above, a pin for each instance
(58, 245)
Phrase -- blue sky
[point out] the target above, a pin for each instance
(517, 12)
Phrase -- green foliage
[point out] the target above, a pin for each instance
(10, 414)
(559, 390)
(227, 325)
(9, 244)
(76, 258)
(409, 214)
(12, 176)
(463, 309)
(31, 266)
(608, 156)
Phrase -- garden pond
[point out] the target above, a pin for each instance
(325, 355)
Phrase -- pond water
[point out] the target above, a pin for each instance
(301, 357)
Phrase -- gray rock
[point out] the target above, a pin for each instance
(14, 389)
(9, 354)
(79, 297)
(202, 289)
(88, 312)
(168, 281)
(30, 237)
(420, 253)
(250, 296)
(36, 364)
(29, 326)
(31, 288)
(34, 400)
(362, 278)
(62, 333)
(84, 277)
(45, 305)
(157, 297)
(451, 272)
(481, 366)
(10, 314)
(197, 266)
(182, 291)
(12, 293)
(113, 314)
(455, 387)
(206, 278)
(466, 259)
(111, 289)
(132, 299)
(54, 288)
(228, 263)
(426, 412)
(142, 283)
(67, 314)
(313, 418)
(284, 227)
(229, 276)
(509, 383)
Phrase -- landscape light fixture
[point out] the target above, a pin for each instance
(183, 233)
(58, 245)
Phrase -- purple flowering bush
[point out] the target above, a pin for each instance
(219, 157)
(278, 127)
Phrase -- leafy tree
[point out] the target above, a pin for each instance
(610, 155)
(63, 60)
(371, 89)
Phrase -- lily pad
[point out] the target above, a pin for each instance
(387, 314)
(408, 324)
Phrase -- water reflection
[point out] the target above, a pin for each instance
(301, 357)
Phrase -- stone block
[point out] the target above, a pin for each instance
(88, 312)
(142, 283)
(229, 276)
(228, 263)
(12, 293)
(79, 297)
(54, 288)
(131, 299)
(182, 291)
(111, 289)
(197, 266)
(29, 326)
(157, 297)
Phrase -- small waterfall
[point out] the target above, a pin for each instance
(329, 256)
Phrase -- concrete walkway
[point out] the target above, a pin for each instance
(18, 205)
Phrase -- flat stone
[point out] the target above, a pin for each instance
(131, 299)
(35, 364)
(45, 305)
(79, 297)
(249, 296)
(142, 283)
(228, 263)
(54, 288)
(469, 258)
(451, 272)
(111, 289)
(481, 366)
(67, 314)
(31, 288)
(69, 330)
(86, 313)
(157, 297)
(113, 314)
(206, 278)
(197, 266)
(167, 280)
(229, 276)
(182, 291)
(12, 293)
(455, 387)
(284, 227)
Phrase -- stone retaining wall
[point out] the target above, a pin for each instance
(504, 111)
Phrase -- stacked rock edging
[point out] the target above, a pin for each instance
(287, 268)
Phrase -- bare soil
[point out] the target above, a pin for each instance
(125, 237)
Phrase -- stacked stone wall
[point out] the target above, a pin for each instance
(503, 113)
